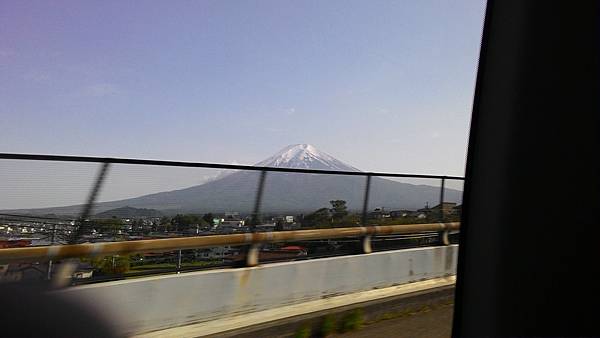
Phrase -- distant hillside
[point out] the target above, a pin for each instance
(128, 212)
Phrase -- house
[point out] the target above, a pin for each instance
(425, 210)
(232, 220)
(217, 252)
(265, 227)
(284, 223)
(400, 213)
(232, 215)
(233, 225)
(445, 208)
(15, 242)
(299, 250)
(83, 274)
(84, 270)
(457, 210)
(421, 213)
(379, 213)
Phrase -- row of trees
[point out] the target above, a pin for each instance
(335, 216)
(180, 222)
(183, 222)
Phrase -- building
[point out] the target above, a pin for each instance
(446, 208)
(457, 210)
(217, 252)
(425, 210)
(379, 213)
(265, 227)
(231, 220)
(232, 215)
(400, 213)
(84, 270)
(284, 223)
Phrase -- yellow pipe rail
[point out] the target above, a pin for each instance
(54, 252)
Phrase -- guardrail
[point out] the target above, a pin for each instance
(160, 245)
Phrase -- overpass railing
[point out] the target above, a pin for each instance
(75, 248)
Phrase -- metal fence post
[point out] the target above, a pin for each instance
(366, 240)
(366, 200)
(68, 266)
(178, 261)
(442, 199)
(258, 200)
(49, 272)
(252, 255)
(443, 235)
(53, 237)
(87, 209)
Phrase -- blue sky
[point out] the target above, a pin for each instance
(381, 85)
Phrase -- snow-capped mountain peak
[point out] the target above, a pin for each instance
(305, 156)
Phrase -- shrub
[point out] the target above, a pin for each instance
(352, 321)
(327, 326)
(112, 264)
(303, 332)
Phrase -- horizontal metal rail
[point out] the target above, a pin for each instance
(54, 252)
(90, 159)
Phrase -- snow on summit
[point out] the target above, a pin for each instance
(305, 156)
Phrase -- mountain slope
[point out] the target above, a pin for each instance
(285, 192)
(128, 212)
(292, 192)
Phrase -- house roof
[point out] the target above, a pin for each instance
(445, 204)
(292, 248)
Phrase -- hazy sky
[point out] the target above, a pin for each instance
(381, 85)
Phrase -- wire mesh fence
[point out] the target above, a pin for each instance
(49, 200)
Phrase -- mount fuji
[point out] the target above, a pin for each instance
(283, 192)
(304, 156)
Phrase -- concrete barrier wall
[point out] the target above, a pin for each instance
(146, 304)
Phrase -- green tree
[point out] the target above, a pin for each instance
(208, 218)
(112, 264)
(339, 210)
(319, 218)
(185, 221)
(350, 220)
(109, 225)
(138, 224)
(328, 326)
(352, 321)
(165, 222)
